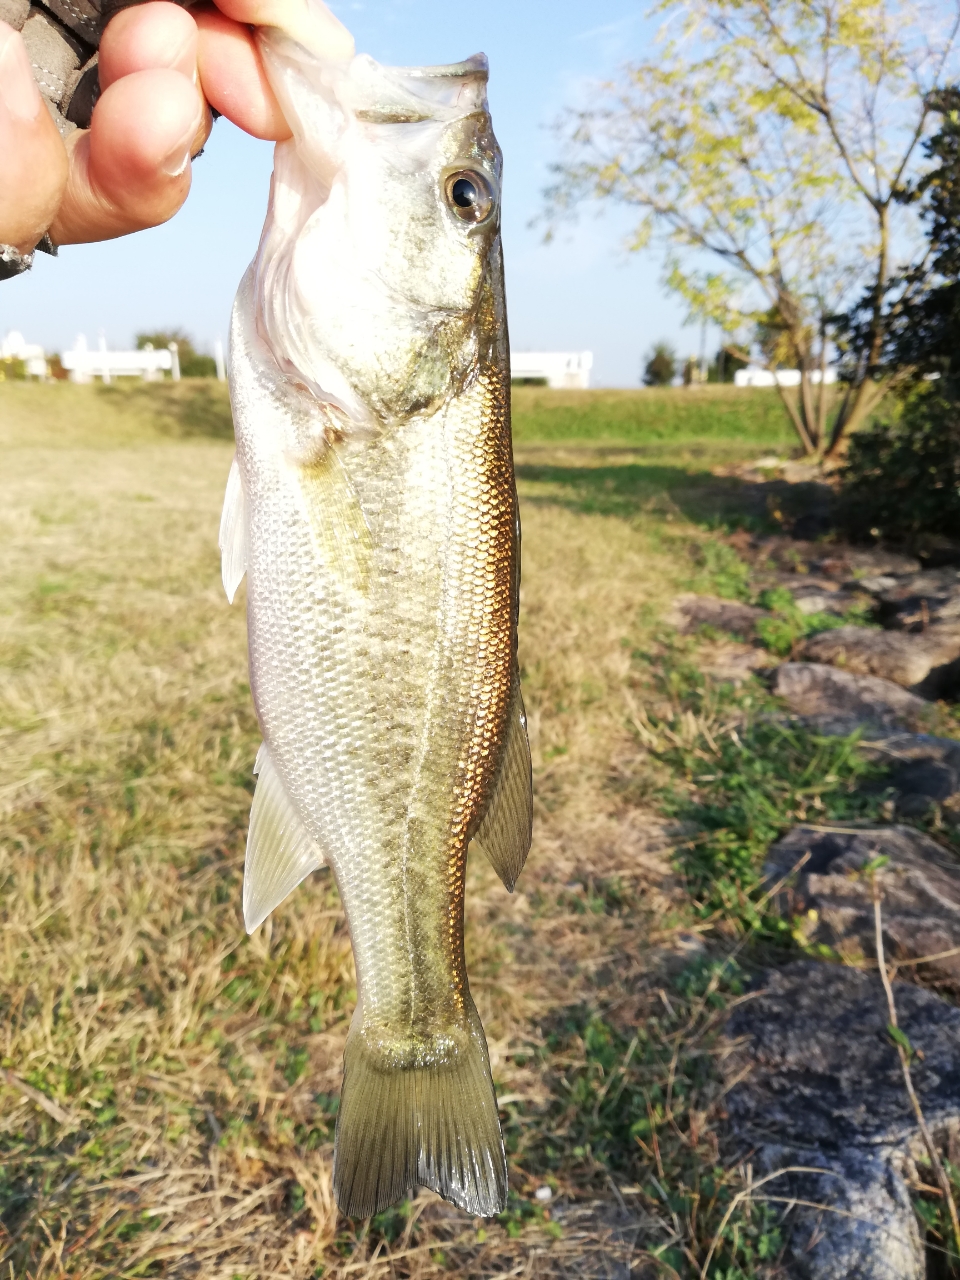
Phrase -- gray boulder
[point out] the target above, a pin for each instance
(914, 602)
(868, 561)
(928, 664)
(816, 1082)
(920, 884)
(839, 701)
(689, 611)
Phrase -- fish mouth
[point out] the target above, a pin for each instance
(475, 67)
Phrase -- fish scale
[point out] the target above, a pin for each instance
(373, 508)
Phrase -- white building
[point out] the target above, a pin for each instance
(84, 364)
(14, 347)
(563, 370)
(753, 376)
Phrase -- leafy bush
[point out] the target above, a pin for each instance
(902, 478)
(193, 364)
(661, 366)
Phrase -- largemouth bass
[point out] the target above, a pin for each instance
(372, 506)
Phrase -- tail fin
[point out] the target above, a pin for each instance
(433, 1126)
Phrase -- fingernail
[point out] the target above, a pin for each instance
(18, 89)
(178, 156)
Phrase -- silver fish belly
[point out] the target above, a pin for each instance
(372, 506)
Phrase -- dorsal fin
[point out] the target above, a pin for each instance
(280, 850)
(506, 828)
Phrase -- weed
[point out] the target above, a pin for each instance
(788, 626)
(749, 775)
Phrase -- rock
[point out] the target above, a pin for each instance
(867, 561)
(927, 663)
(816, 1082)
(800, 472)
(937, 549)
(900, 748)
(689, 611)
(867, 1228)
(875, 584)
(837, 603)
(840, 701)
(913, 603)
(733, 662)
(924, 784)
(920, 884)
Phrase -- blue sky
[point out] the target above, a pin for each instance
(579, 293)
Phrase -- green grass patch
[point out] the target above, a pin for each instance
(664, 415)
(630, 1104)
(742, 774)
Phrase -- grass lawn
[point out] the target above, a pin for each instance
(169, 1085)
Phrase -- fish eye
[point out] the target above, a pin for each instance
(469, 195)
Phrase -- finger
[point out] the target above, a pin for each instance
(308, 21)
(34, 166)
(131, 169)
(232, 76)
(145, 37)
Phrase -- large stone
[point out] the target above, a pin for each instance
(839, 701)
(819, 874)
(914, 602)
(927, 663)
(689, 611)
(813, 593)
(846, 561)
(816, 1082)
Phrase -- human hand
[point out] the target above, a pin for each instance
(161, 69)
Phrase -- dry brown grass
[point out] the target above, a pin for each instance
(191, 1072)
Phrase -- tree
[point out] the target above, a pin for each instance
(661, 366)
(922, 303)
(902, 477)
(775, 139)
(192, 363)
(725, 365)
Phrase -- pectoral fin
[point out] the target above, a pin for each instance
(506, 829)
(280, 851)
(233, 534)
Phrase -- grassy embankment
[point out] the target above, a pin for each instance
(173, 1083)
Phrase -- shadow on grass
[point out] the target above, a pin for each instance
(632, 490)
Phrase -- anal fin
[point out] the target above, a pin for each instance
(506, 828)
(233, 533)
(280, 850)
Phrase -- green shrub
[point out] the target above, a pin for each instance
(902, 477)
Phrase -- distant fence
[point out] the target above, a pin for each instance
(84, 364)
(147, 363)
(562, 370)
(780, 377)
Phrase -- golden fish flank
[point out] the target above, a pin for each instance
(372, 506)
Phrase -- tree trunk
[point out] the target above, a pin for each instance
(798, 424)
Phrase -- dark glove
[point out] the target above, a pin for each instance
(62, 37)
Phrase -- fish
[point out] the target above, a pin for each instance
(372, 508)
